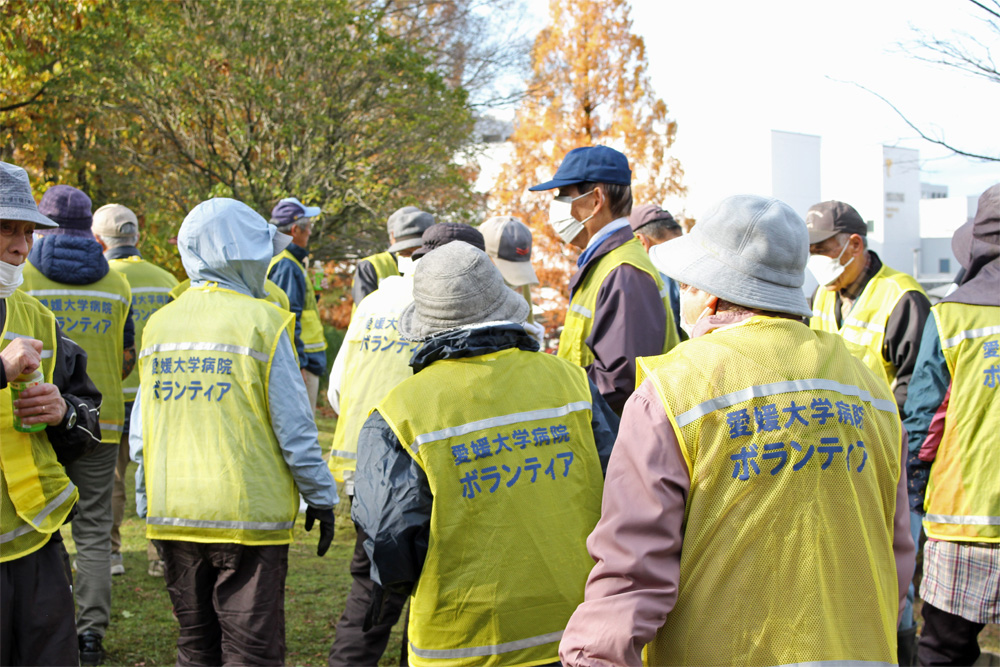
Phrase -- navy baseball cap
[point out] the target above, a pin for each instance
(590, 164)
(291, 210)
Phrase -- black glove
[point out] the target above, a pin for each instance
(325, 518)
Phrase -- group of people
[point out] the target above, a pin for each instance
(712, 469)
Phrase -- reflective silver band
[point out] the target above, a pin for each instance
(503, 420)
(130, 390)
(75, 293)
(823, 316)
(220, 525)
(839, 663)
(314, 346)
(344, 455)
(972, 333)
(580, 310)
(665, 292)
(157, 290)
(204, 347)
(861, 324)
(47, 510)
(116, 428)
(483, 651)
(10, 335)
(960, 520)
(762, 390)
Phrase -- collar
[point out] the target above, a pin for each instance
(872, 266)
(121, 252)
(599, 238)
(298, 252)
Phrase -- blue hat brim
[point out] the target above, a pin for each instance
(553, 184)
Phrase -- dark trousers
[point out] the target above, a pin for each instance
(229, 600)
(947, 639)
(352, 646)
(37, 625)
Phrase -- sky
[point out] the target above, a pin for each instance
(731, 71)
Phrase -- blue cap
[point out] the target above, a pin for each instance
(291, 209)
(590, 164)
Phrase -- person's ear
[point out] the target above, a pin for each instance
(646, 242)
(712, 304)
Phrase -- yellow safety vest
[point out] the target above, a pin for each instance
(385, 265)
(866, 321)
(151, 287)
(580, 316)
(963, 494)
(214, 469)
(36, 496)
(376, 361)
(794, 460)
(311, 331)
(93, 316)
(506, 442)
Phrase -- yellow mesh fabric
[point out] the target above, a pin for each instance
(506, 442)
(214, 470)
(35, 493)
(963, 496)
(580, 315)
(311, 330)
(794, 453)
(385, 266)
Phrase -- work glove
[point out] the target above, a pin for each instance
(325, 518)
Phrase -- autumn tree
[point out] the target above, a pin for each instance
(589, 85)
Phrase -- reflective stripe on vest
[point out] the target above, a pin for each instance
(865, 325)
(788, 476)
(36, 496)
(579, 317)
(151, 288)
(311, 327)
(962, 502)
(93, 316)
(214, 469)
(513, 471)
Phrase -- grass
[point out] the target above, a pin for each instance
(143, 631)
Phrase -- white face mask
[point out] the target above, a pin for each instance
(689, 328)
(562, 220)
(828, 269)
(405, 264)
(10, 278)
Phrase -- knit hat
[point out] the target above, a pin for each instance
(68, 206)
(456, 286)
(115, 220)
(407, 226)
(16, 200)
(748, 250)
(446, 232)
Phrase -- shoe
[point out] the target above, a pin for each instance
(91, 651)
(117, 566)
(155, 568)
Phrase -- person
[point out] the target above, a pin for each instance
(953, 418)
(116, 228)
(68, 273)
(619, 309)
(508, 243)
(653, 226)
(37, 625)
(480, 477)
(754, 511)
(880, 309)
(220, 471)
(405, 227)
(372, 360)
(288, 271)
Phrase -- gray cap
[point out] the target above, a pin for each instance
(16, 200)
(406, 226)
(113, 220)
(829, 218)
(508, 242)
(457, 285)
(748, 250)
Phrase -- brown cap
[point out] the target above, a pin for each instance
(647, 213)
(833, 217)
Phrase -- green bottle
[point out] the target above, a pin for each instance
(19, 384)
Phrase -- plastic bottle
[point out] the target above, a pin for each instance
(19, 384)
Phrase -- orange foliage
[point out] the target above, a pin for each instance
(589, 86)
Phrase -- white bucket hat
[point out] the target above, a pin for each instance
(748, 250)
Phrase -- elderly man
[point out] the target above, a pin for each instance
(508, 243)
(953, 419)
(405, 228)
(654, 226)
(479, 477)
(36, 497)
(224, 467)
(619, 308)
(755, 505)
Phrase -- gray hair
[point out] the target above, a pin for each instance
(842, 237)
(118, 241)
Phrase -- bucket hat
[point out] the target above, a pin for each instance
(16, 200)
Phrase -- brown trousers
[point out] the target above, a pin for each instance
(229, 600)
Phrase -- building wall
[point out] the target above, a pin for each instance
(795, 169)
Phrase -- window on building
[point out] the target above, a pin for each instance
(871, 226)
(944, 266)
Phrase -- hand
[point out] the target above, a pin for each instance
(325, 518)
(41, 404)
(23, 355)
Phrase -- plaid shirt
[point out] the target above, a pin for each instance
(963, 578)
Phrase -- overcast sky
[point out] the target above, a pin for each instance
(731, 71)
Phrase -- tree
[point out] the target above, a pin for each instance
(589, 85)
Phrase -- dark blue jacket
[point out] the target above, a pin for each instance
(286, 275)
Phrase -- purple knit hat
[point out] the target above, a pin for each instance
(67, 206)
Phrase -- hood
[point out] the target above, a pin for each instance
(976, 245)
(72, 260)
(227, 242)
(472, 342)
